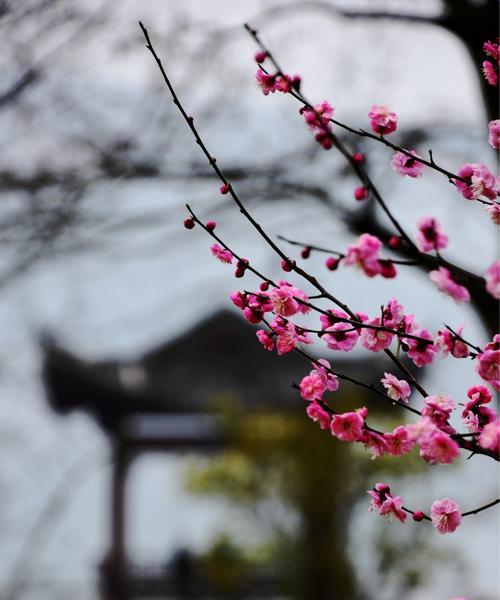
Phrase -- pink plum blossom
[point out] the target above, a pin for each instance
(399, 442)
(479, 182)
(405, 165)
(392, 313)
(492, 49)
(451, 344)
(283, 301)
(378, 495)
(288, 336)
(312, 387)
(429, 235)
(365, 254)
(319, 116)
(220, 253)
(422, 353)
(318, 415)
(490, 436)
(373, 339)
(494, 134)
(475, 415)
(347, 427)
(445, 515)
(439, 409)
(374, 443)
(493, 280)
(438, 447)
(322, 368)
(488, 366)
(266, 82)
(446, 284)
(265, 339)
(392, 508)
(494, 211)
(490, 73)
(382, 119)
(341, 336)
(397, 389)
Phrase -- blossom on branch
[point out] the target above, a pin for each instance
(445, 515)
(382, 119)
(318, 415)
(493, 280)
(430, 236)
(225, 256)
(397, 389)
(446, 284)
(348, 427)
(494, 134)
(365, 253)
(405, 165)
(479, 182)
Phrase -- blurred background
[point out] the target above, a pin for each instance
(149, 447)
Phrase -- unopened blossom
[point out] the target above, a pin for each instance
(382, 119)
(387, 268)
(446, 284)
(493, 279)
(445, 515)
(341, 336)
(365, 254)
(266, 82)
(479, 182)
(375, 340)
(430, 236)
(347, 427)
(361, 192)
(488, 363)
(405, 165)
(490, 436)
(397, 389)
(449, 343)
(265, 339)
(494, 134)
(318, 414)
(399, 442)
(421, 352)
(222, 254)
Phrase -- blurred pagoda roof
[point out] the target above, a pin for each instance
(218, 357)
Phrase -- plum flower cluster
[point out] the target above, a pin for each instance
(269, 84)
(317, 119)
(445, 514)
(490, 66)
(279, 306)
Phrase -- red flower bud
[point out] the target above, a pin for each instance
(360, 193)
